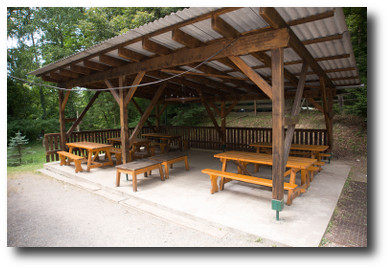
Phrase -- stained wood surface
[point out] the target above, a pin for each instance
(265, 159)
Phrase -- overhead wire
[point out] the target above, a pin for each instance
(129, 86)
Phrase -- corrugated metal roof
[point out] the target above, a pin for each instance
(243, 20)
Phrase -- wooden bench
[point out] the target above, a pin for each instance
(161, 146)
(118, 154)
(319, 164)
(138, 167)
(71, 158)
(293, 190)
(325, 155)
(299, 153)
(311, 170)
(168, 159)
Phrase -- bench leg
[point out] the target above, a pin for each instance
(214, 186)
(292, 194)
(134, 181)
(77, 164)
(118, 178)
(62, 160)
(118, 157)
(161, 172)
(186, 162)
(166, 167)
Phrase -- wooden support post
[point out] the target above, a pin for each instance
(277, 129)
(62, 103)
(80, 117)
(147, 112)
(255, 108)
(223, 124)
(328, 119)
(210, 113)
(157, 111)
(296, 108)
(124, 123)
(141, 112)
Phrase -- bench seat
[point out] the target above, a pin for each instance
(169, 158)
(71, 158)
(138, 167)
(292, 189)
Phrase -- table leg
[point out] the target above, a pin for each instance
(134, 181)
(257, 165)
(89, 163)
(109, 157)
(118, 178)
(221, 183)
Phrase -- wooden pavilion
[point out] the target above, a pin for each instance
(229, 54)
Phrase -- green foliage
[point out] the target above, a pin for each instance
(356, 18)
(16, 145)
(186, 114)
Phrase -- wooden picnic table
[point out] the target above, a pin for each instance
(294, 164)
(167, 138)
(137, 143)
(314, 150)
(93, 150)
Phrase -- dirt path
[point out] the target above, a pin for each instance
(43, 212)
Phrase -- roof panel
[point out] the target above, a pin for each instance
(244, 20)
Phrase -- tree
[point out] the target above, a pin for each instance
(356, 18)
(16, 143)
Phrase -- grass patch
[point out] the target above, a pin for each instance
(32, 160)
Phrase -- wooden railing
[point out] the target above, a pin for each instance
(197, 137)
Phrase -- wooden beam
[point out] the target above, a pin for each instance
(147, 112)
(252, 75)
(95, 65)
(315, 104)
(78, 120)
(231, 107)
(185, 39)
(62, 119)
(223, 28)
(263, 57)
(141, 111)
(68, 73)
(328, 119)
(123, 110)
(210, 113)
(243, 45)
(114, 92)
(112, 61)
(155, 47)
(277, 124)
(273, 18)
(80, 69)
(312, 18)
(203, 74)
(130, 55)
(63, 105)
(132, 90)
(296, 108)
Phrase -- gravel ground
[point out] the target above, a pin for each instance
(44, 212)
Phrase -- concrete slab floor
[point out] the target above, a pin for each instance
(239, 206)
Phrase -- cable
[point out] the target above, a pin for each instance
(130, 86)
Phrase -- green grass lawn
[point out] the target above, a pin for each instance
(33, 158)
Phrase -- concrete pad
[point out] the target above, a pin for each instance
(239, 206)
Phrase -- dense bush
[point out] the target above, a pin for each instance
(32, 128)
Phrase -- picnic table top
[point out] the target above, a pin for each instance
(307, 147)
(88, 145)
(265, 159)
